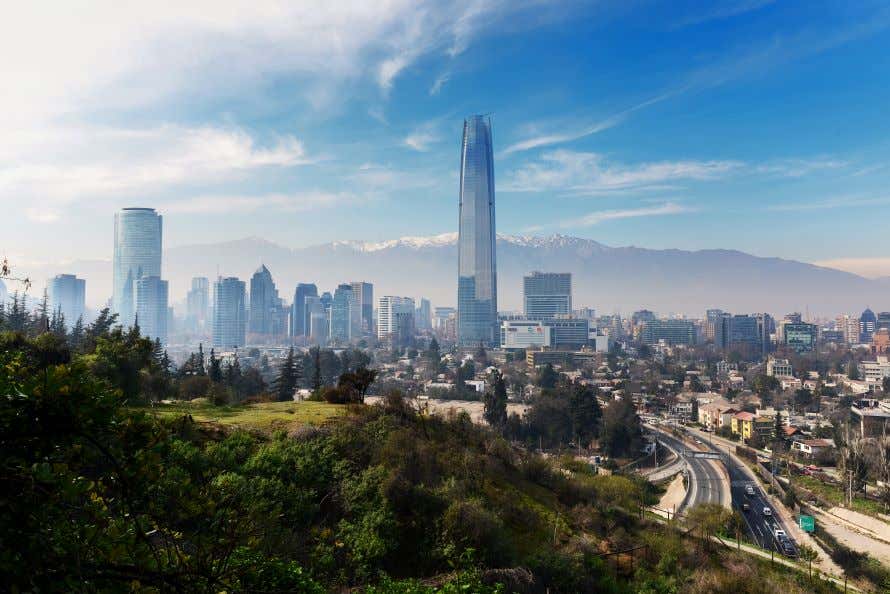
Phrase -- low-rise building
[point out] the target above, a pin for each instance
(779, 368)
(742, 424)
(871, 421)
(811, 447)
(875, 371)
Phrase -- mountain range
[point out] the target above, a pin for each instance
(607, 278)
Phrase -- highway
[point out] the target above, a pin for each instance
(760, 528)
(705, 479)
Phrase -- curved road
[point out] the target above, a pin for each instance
(706, 481)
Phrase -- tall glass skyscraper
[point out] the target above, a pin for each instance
(151, 307)
(477, 299)
(137, 253)
(342, 312)
(67, 295)
(229, 313)
(263, 302)
(299, 316)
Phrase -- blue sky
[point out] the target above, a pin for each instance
(748, 124)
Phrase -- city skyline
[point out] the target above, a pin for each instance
(729, 134)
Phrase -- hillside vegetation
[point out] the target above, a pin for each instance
(100, 495)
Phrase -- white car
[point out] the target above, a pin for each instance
(767, 512)
(749, 490)
(779, 533)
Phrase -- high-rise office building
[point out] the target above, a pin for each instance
(151, 307)
(568, 332)
(67, 295)
(477, 300)
(137, 253)
(198, 304)
(342, 312)
(263, 302)
(800, 336)
(672, 332)
(640, 316)
(229, 313)
(868, 322)
(326, 301)
(363, 298)
(883, 321)
(547, 294)
(299, 316)
(395, 319)
(424, 317)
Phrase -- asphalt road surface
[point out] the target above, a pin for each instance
(760, 527)
(704, 476)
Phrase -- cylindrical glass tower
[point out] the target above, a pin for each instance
(137, 253)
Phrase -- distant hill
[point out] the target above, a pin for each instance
(607, 278)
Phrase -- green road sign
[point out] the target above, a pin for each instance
(807, 523)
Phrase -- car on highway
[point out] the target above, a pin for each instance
(787, 548)
(767, 512)
(746, 507)
(749, 490)
(779, 533)
(698, 441)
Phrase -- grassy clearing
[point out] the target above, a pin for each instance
(265, 416)
(835, 495)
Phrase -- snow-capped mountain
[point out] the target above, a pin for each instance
(607, 278)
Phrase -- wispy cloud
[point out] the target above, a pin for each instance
(576, 132)
(597, 217)
(723, 10)
(420, 140)
(581, 173)
(439, 83)
(831, 203)
(800, 167)
(95, 163)
(227, 204)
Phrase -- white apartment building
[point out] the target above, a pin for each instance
(779, 368)
(874, 372)
(395, 316)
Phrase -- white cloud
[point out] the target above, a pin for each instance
(800, 167)
(581, 173)
(576, 131)
(439, 83)
(723, 10)
(226, 204)
(420, 140)
(80, 164)
(597, 217)
(830, 203)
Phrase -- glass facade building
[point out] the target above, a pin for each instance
(363, 297)
(151, 307)
(67, 295)
(198, 304)
(342, 310)
(263, 302)
(547, 294)
(300, 312)
(229, 313)
(137, 253)
(477, 301)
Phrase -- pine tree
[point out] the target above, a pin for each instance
(585, 412)
(432, 353)
(316, 373)
(215, 367)
(166, 364)
(57, 323)
(40, 321)
(200, 362)
(157, 352)
(232, 377)
(102, 325)
(17, 319)
(288, 376)
(496, 403)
